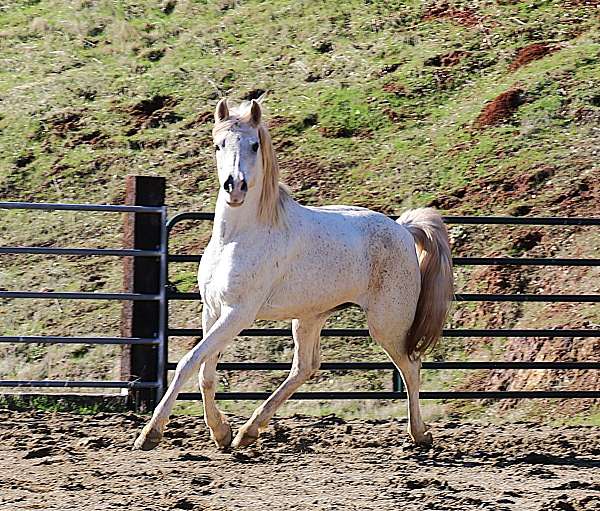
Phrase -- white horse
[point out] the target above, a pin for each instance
(271, 258)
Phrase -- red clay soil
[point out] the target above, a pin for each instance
(447, 59)
(393, 116)
(492, 191)
(530, 53)
(580, 197)
(344, 132)
(94, 137)
(307, 175)
(466, 17)
(495, 280)
(152, 112)
(202, 119)
(395, 88)
(544, 350)
(278, 121)
(505, 280)
(64, 122)
(499, 109)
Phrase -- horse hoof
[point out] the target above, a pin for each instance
(224, 441)
(421, 439)
(148, 440)
(243, 439)
(424, 440)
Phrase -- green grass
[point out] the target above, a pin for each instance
(79, 405)
(356, 94)
(587, 418)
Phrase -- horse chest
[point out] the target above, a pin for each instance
(226, 278)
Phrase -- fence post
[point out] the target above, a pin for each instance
(141, 275)
(397, 381)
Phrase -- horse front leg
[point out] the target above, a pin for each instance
(220, 430)
(231, 321)
(307, 359)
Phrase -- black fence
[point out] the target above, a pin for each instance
(145, 320)
(398, 392)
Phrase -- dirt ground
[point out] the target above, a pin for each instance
(59, 461)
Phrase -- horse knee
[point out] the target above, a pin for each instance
(207, 384)
(186, 366)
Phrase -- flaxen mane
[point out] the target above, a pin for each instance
(274, 194)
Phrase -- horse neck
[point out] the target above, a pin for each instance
(229, 222)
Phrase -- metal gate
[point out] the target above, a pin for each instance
(158, 339)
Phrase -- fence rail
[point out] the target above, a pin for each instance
(461, 261)
(380, 395)
(150, 352)
(53, 295)
(100, 208)
(80, 251)
(49, 339)
(81, 384)
(363, 332)
(379, 366)
(465, 297)
(460, 220)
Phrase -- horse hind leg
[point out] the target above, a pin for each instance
(392, 341)
(410, 369)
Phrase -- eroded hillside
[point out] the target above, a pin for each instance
(473, 107)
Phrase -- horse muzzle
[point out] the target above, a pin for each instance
(236, 190)
(235, 203)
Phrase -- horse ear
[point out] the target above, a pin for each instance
(222, 111)
(255, 113)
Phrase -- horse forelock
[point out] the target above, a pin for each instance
(239, 118)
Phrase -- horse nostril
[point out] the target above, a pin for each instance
(244, 186)
(228, 185)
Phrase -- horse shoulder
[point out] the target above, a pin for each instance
(241, 271)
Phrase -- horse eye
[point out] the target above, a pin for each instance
(217, 147)
(255, 146)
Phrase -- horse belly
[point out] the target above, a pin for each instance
(310, 289)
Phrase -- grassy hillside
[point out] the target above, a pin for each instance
(488, 107)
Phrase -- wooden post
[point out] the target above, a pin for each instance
(141, 275)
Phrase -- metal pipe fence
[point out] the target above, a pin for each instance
(157, 340)
(398, 392)
(165, 295)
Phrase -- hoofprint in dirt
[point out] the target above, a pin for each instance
(58, 461)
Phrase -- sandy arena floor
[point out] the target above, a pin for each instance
(59, 461)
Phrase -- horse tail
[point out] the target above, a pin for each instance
(437, 282)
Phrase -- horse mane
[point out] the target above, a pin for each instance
(274, 194)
